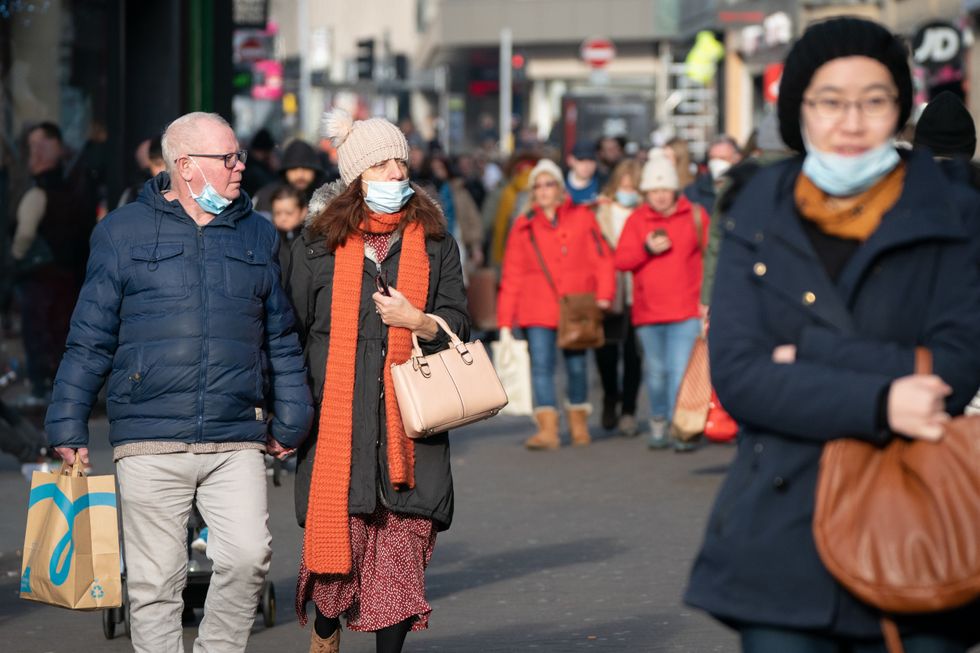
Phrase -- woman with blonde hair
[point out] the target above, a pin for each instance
(618, 200)
(679, 153)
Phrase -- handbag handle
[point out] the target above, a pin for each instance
(419, 363)
(923, 360)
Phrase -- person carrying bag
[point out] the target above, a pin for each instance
(837, 266)
(557, 278)
(71, 545)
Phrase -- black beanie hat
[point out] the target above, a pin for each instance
(946, 127)
(833, 39)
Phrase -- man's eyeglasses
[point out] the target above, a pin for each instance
(230, 160)
(381, 283)
(832, 108)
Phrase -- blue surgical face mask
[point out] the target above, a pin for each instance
(627, 198)
(843, 176)
(209, 199)
(387, 196)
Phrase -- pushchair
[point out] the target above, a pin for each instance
(195, 590)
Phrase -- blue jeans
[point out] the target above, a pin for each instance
(776, 640)
(541, 344)
(666, 348)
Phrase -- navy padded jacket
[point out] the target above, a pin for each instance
(190, 324)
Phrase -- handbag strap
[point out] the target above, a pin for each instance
(699, 227)
(534, 244)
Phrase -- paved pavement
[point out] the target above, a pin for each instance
(581, 549)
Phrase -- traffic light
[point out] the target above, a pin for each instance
(365, 59)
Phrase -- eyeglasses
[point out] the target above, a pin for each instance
(381, 283)
(545, 184)
(230, 160)
(831, 108)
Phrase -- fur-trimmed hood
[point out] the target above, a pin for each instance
(325, 194)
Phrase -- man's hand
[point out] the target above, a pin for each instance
(68, 454)
(275, 448)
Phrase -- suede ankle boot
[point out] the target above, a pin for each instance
(547, 436)
(329, 645)
(578, 424)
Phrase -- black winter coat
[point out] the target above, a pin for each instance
(911, 283)
(311, 289)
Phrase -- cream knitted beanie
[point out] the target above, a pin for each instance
(659, 173)
(548, 167)
(364, 143)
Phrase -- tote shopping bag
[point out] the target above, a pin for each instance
(71, 548)
(693, 395)
(513, 364)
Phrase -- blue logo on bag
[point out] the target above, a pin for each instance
(61, 557)
(25, 581)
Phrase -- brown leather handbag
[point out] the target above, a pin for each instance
(899, 526)
(579, 317)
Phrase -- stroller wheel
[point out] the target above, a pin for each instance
(267, 605)
(109, 623)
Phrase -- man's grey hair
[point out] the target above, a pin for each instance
(181, 133)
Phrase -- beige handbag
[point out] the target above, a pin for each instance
(448, 389)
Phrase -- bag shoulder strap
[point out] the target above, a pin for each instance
(699, 226)
(923, 360)
(544, 267)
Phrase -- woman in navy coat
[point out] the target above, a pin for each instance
(835, 266)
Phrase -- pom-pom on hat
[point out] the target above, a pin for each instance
(364, 143)
(833, 39)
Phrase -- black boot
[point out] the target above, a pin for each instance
(609, 417)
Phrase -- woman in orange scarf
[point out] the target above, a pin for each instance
(373, 260)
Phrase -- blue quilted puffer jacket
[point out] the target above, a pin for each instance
(191, 326)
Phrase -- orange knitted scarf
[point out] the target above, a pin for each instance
(853, 218)
(326, 546)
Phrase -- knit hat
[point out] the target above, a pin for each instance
(946, 127)
(549, 167)
(833, 39)
(364, 143)
(658, 173)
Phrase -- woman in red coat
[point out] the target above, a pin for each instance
(578, 261)
(661, 245)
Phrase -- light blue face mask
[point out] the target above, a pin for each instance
(843, 176)
(387, 196)
(627, 198)
(209, 199)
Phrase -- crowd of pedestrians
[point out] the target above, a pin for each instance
(242, 302)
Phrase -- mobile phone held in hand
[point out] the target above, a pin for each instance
(381, 283)
(660, 233)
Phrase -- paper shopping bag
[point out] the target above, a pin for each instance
(71, 548)
(513, 364)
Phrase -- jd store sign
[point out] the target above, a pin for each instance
(938, 50)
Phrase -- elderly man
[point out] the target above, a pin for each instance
(183, 310)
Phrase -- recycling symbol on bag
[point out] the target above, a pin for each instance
(97, 592)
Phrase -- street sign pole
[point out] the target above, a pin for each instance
(506, 101)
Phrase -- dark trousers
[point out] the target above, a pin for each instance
(777, 640)
(47, 298)
(607, 359)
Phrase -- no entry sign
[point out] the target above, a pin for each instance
(598, 52)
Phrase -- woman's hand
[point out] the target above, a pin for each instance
(396, 310)
(603, 304)
(916, 406)
(658, 243)
(784, 354)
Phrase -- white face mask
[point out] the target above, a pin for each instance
(718, 167)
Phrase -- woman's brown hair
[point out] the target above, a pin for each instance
(625, 168)
(346, 212)
(682, 161)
